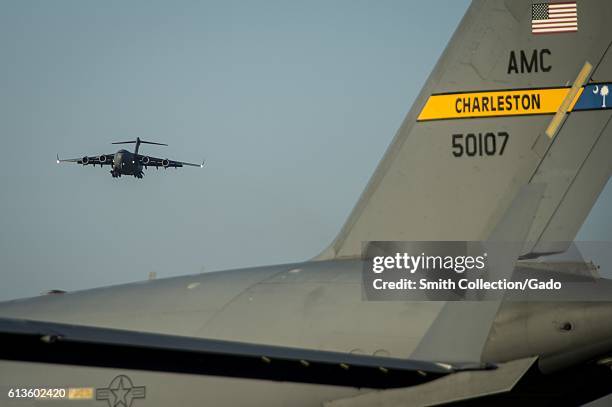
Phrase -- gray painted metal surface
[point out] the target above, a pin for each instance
(433, 185)
(421, 191)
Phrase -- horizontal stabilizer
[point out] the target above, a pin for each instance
(463, 386)
(138, 141)
(46, 342)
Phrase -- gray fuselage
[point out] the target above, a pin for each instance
(315, 305)
(126, 163)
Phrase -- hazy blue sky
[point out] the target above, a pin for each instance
(292, 104)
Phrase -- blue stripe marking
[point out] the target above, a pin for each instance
(595, 97)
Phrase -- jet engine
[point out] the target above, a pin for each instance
(165, 162)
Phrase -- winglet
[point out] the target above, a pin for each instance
(202, 165)
(58, 160)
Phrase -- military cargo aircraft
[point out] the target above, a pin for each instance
(124, 162)
(509, 140)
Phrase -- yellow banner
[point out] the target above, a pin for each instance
(494, 103)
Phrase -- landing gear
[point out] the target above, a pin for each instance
(115, 174)
(139, 175)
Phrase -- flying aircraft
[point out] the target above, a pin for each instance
(124, 162)
(508, 141)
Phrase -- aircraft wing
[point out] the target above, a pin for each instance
(103, 159)
(48, 342)
(165, 163)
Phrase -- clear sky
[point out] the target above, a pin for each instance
(291, 103)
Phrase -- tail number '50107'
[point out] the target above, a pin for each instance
(479, 144)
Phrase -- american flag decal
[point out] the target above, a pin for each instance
(548, 18)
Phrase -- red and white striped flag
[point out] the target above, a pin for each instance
(547, 18)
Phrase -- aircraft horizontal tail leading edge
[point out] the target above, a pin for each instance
(478, 132)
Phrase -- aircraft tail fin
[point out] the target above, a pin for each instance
(510, 102)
